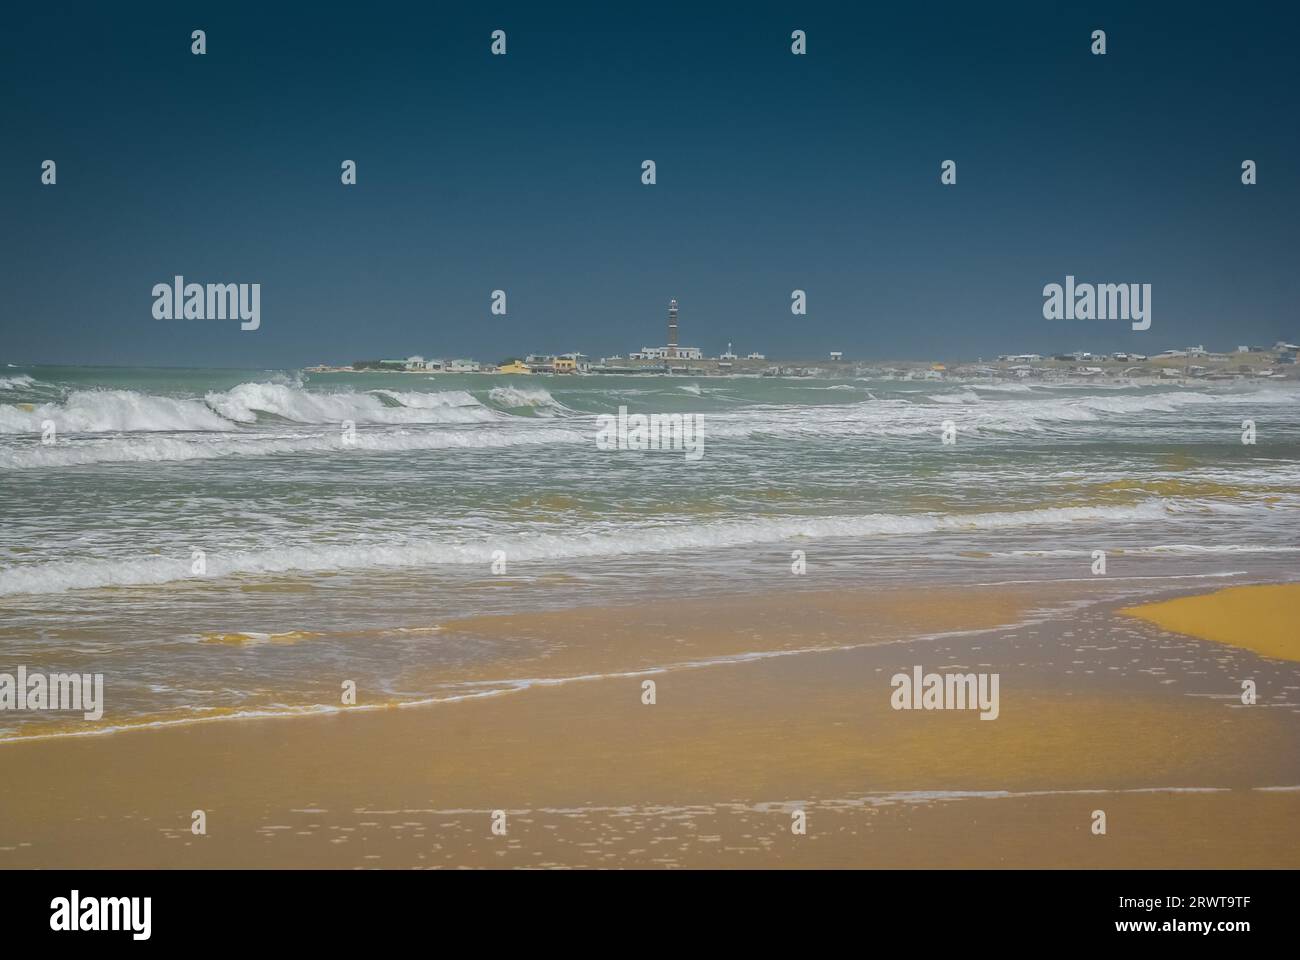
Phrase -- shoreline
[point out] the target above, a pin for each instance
(709, 774)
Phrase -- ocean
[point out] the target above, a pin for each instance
(228, 543)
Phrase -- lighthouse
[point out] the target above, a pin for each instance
(672, 328)
(670, 351)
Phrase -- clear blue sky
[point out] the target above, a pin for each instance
(522, 172)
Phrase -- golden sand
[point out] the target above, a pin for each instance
(1264, 619)
(709, 774)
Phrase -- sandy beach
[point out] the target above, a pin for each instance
(764, 706)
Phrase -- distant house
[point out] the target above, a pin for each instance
(566, 365)
(581, 362)
(667, 353)
(837, 354)
(755, 356)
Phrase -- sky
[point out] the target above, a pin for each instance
(523, 173)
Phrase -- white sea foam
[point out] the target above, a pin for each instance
(457, 399)
(515, 398)
(248, 401)
(62, 575)
(236, 421)
(13, 383)
(109, 411)
(220, 446)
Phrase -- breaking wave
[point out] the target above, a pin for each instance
(249, 401)
(536, 399)
(111, 411)
(273, 418)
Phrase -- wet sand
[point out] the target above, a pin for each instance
(1097, 712)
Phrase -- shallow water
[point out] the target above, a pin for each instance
(322, 558)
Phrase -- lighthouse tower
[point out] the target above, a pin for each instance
(672, 328)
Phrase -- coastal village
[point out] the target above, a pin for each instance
(1245, 361)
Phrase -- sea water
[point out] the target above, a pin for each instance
(230, 543)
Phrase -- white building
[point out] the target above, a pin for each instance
(581, 362)
(667, 353)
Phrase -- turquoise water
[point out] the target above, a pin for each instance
(371, 542)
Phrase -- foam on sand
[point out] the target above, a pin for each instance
(1260, 618)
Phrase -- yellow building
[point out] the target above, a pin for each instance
(514, 367)
(566, 365)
